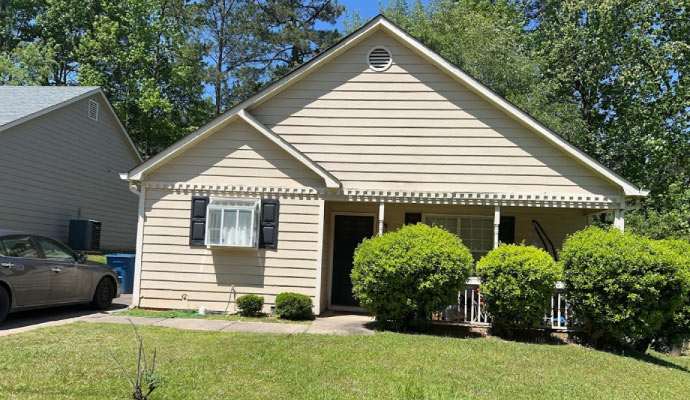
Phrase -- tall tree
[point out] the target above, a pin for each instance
(227, 30)
(625, 64)
(141, 53)
(288, 33)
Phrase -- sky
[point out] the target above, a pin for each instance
(367, 10)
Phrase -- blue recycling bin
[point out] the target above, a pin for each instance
(123, 265)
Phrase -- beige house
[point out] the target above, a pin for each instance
(61, 150)
(376, 132)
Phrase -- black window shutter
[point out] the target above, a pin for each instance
(413, 218)
(268, 234)
(506, 231)
(197, 223)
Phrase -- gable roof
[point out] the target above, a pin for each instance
(19, 104)
(376, 24)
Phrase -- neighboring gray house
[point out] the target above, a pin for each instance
(61, 149)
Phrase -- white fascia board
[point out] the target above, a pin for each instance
(331, 181)
(522, 117)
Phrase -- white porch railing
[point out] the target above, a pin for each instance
(472, 310)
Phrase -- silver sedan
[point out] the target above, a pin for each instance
(37, 272)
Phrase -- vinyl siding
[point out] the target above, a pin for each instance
(214, 278)
(415, 127)
(61, 164)
(171, 268)
(237, 155)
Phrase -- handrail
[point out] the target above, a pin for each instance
(537, 227)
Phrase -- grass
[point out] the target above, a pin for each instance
(142, 312)
(97, 258)
(70, 361)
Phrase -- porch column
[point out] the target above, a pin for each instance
(497, 224)
(619, 219)
(381, 214)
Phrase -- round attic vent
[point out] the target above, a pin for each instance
(379, 58)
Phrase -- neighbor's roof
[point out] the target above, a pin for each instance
(381, 23)
(19, 104)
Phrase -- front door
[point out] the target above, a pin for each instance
(348, 232)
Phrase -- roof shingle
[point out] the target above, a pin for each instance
(17, 102)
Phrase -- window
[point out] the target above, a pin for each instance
(232, 222)
(55, 251)
(448, 223)
(477, 233)
(20, 246)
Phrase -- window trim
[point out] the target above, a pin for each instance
(256, 215)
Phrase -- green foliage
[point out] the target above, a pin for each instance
(625, 66)
(28, 64)
(624, 287)
(294, 306)
(517, 284)
(676, 329)
(140, 53)
(250, 305)
(672, 222)
(154, 58)
(403, 277)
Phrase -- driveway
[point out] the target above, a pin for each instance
(29, 320)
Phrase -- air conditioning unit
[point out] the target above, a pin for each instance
(84, 234)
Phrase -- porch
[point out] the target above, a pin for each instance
(481, 227)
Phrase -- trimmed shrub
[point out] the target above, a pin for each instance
(403, 277)
(517, 285)
(250, 305)
(294, 306)
(676, 329)
(623, 286)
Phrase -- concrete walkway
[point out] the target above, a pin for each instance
(330, 323)
(340, 324)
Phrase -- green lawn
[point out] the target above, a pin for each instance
(70, 362)
(97, 258)
(142, 312)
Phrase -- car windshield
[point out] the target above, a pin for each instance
(20, 246)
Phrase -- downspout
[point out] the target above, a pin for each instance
(134, 189)
(140, 191)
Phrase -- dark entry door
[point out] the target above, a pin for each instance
(349, 231)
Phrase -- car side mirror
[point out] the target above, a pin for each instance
(81, 258)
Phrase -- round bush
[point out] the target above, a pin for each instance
(517, 285)
(403, 277)
(676, 329)
(250, 305)
(622, 285)
(294, 306)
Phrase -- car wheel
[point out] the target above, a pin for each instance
(4, 303)
(103, 297)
